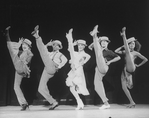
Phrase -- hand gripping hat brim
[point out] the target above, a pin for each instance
(27, 41)
(58, 42)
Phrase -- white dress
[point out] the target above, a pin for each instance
(76, 77)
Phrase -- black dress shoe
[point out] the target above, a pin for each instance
(53, 106)
(24, 107)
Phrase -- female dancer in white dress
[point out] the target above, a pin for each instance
(76, 79)
(130, 66)
(104, 57)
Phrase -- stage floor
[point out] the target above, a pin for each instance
(67, 111)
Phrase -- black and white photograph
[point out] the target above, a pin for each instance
(74, 59)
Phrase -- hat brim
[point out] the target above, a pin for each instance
(82, 44)
(131, 40)
(60, 46)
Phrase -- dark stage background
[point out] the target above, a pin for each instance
(55, 18)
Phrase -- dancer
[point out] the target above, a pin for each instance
(130, 55)
(53, 61)
(76, 79)
(21, 60)
(104, 57)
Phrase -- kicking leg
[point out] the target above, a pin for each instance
(10, 44)
(49, 65)
(101, 64)
(130, 66)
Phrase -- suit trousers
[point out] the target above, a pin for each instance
(17, 89)
(19, 74)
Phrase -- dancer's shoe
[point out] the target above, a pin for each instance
(25, 107)
(80, 107)
(53, 106)
(95, 30)
(7, 28)
(131, 105)
(104, 107)
(4, 32)
(35, 30)
(80, 104)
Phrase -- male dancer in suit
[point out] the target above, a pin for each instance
(53, 61)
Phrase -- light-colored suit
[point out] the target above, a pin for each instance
(52, 62)
(21, 66)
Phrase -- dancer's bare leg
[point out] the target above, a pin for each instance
(130, 66)
(77, 97)
(126, 91)
(99, 87)
(100, 70)
(101, 64)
